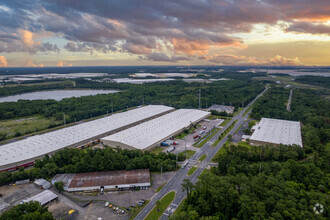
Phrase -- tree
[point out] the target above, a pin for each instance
(158, 205)
(188, 187)
(59, 186)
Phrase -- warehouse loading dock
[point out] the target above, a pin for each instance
(151, 133)
(23, 153)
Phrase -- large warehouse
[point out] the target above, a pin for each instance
(121, 179)
(151, 133)
(276, 132)
(25, 152)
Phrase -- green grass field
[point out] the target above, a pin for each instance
(160, 187)
(189, 153)
(27, 125)
(191, 171)
(157, 150)
(202, 158)
(220, 151)
(159, 209)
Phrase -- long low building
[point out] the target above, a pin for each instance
(276, 132)
(25, 152)
(151, 133)
(111, 180)
(43, 198)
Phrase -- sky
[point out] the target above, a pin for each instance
(38, 33)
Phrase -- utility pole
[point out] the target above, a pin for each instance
(199, 99)
(64, 119)
(161, 171)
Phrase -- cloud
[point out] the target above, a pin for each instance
(162, 57)
(61, 63)
(229, 59)
(154, 30)
(308, 27)
(30, 63)
(3, 61)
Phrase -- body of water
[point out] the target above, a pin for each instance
(54, 94)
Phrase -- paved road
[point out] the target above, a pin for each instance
(175, 183)
(288, 107)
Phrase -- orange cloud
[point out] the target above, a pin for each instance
(3, 61)
(27, 38)
(200, 47)
(61, 63)
(29, 63)
(230, 59)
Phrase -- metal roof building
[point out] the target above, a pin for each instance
(275, 131)
(43, 198)
(26, 151)
(151, 133)
(106, 180)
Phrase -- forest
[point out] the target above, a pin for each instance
(70, 160)
(314, 80)
(265, 182)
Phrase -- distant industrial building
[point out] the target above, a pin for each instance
(276, 132)
(43, 198)
(222, 108)
(25, 152)
(151, 133)
(112, 180)
(42, 183)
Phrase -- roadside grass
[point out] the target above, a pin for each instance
(160, 187)
(188, 153)
(202, 158)
(220, 151)
(26, 125)
(157, 211)
(191, 171)
(226, 121)
(201, 142)
(157, 150)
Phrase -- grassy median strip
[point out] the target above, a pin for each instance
(160, 187)
(202, 158)
(207, 138)
(191, 171)
(158, 210)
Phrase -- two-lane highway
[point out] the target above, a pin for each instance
(175, 183)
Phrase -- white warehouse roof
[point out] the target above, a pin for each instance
(39, 145)
(277, 132)
(149, 133)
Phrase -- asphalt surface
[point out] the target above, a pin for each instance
(175, 183)
(288, 107)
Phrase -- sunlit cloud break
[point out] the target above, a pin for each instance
(129, 32)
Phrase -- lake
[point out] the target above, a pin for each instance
(54, 94)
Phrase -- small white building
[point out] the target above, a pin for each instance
(276, 132)
(43, 198)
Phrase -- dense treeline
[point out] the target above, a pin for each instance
(306, 106)
(30, 210)
(71, 160)
(177, 94)
(51, 84)
(282, 182)
(314, 80)
(260, 183)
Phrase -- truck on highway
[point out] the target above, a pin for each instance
(185, 164)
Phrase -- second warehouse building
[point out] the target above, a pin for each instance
(151, 133)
